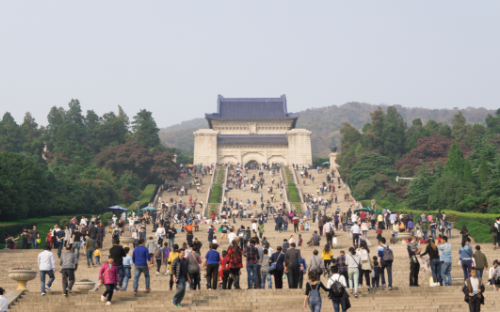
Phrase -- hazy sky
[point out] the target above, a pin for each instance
(174, 57)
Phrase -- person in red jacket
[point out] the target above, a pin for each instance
(234, 262)
(108, 275)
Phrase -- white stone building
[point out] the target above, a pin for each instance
(245, 130)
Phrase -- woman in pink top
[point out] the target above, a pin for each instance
(108, 275)
(429, 217)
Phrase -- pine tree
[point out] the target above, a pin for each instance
(468, 172)
(31, 134)
(445, 131)
(455, 163)
(393, 134)
(10, 138)
(459, 129)
(483, 171)
(145, 129)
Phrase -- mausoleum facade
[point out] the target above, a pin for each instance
(252, 129)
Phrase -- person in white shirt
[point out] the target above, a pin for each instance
(353, 260)
(355, 234)
(160, 232)
(331, 280)
(4, 303)
(354, 218)
(83, 221)
(231, 236)
(46, 265)
(254, 227)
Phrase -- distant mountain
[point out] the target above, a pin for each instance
(325, 123)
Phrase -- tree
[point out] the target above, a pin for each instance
(455, 163)
(12, 195)
(368, 165)
(32, 136)
(483, 171)
(350, 136)
(432, 126)
(445, 131)
(417, 193)
(468, 172)
(145, 130)
(393, 134)
(459, 128)
(448, 191)
(10, 138)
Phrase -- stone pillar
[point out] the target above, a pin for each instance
(299, 147)
(332, 156)
(205, 146)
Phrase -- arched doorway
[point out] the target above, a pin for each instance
(252, 164)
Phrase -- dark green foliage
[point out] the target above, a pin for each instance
(448, 191)
(432, 126)
(483, 171)
(445, 131)
(417, 192)
(10, 136)
(468, 177)
(459, 128)
(455, 163)
(145, 129)
(215, 197)
(368, 165)
(393, 134)
(12, 196)
(293, 194)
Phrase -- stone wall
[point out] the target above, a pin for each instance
(299, 147)
(261, 153)
(205, 147)
(252, 126)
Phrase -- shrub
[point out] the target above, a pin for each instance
(216, 194)
(293, 193)
(63, 222)
(106, 216)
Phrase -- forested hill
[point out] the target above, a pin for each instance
(325, 123)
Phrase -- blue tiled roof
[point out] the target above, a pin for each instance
(252, 139)
(251, 109)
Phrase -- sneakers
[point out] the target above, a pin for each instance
(148, 289)
(135, 292)
(103, 298)
(166, 273)
(48, 288)
(434, 284)
(108, 303)
(157, 273)
(390, 287)
(43, 294)
(119, 288)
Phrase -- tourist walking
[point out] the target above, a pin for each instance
(473, 291)
(312, 296)
(252, 255)
(435, 262)
(386, 256)
(327, 256)
(293, 266)
(4, 303)
(108, 276)
(316, 265)
(141, 260)
(180, 272)
(465, 255)
(445, 258)
(278, 263)
(366, 264)
(69, 264)
(127, 268)
(211, 266)
(353, 262)
(337, 285)
(481, 262)
(234, 254)
(194, 261)
(118, 253)
(47, 266)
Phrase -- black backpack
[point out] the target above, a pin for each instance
(336, 290)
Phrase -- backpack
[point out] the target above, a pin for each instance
(364, 255)
(388, 255)
(336, 290)
(157, 253)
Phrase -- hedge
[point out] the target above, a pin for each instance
(297, 207)
(216, 194)
(147, 196)
(293, 194)
(220, 175)
(212, 208)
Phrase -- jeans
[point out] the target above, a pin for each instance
(425, 235)
(89, 257)
(433, 233)
(446, 273)
(171, 243)
(448, 233)
(355, 239)
(252, 275)
(42, 279)
(388, 265)
(315, 303)
(98, 259)
(466, 266)
(264, 276)
(126, 276)
(59, 248)
(181, 290)
(34, 244)
(138, 271)
(435, 269)
(336, 305)
(353, 279)
(76, 246)
(121, 272)
(479, 273)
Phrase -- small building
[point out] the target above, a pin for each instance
(248, 130)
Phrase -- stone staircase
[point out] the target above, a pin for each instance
(401, 298)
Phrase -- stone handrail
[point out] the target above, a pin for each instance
(287, 200)
(209, 191)
(158, 194)
(224, 179)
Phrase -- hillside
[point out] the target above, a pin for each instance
(325, 123)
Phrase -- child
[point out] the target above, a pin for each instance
(127, 266)
(379, 233)
(376, 272)
(97, 255)
(300, 240)
(108, 275)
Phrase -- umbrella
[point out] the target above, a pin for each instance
(362, 209)
(117, 208)
(149, 208)
(326, 163)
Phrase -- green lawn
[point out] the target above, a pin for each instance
(478, 231)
